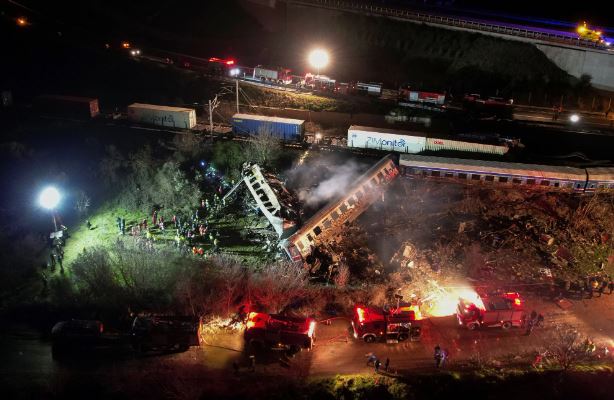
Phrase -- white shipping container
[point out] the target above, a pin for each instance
(266, 73)
(174, 117)
(385, 139)
(437, 144)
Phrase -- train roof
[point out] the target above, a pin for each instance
(495, 167)
(270, 119)
(600, 174)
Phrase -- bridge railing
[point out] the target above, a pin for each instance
(457, 22)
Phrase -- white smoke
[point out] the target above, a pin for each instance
(331, 187)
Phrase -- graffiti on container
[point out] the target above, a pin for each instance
(379, 142)
(164, 120)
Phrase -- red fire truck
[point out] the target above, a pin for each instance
(280, 332)
(495, 309)
(375, 324)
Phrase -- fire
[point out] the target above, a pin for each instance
(443, 301)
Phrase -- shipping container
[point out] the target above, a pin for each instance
(413, 142)
(374, 89)
(174, 117)
(280, 75)
(438, 144)
(364, 137)
(283, 128)
(67, 106)
(427, 97)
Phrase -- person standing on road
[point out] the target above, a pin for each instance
(530, 326)
(371, 358)
(378, 364)
(437, 355)
(611, 286)
(386, 364)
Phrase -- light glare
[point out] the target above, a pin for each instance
(49, 198)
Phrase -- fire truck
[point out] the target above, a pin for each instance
(375, 324)
(279, 332)
(495, 309)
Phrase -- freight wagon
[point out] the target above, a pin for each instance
(413, 142)
(277, 75)
(174, 117)
(67, 106)
(282, 128)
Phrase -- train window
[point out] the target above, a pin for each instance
(359, 194)
(462, 176)
(516, 181)
(300, 245)
(530, 181)
(416, 171)
(601, 186)
(326, 223)
(435, 173)
(569, 184)
(449, 175)
(317, 230)
(351, 201)
(557, 184)
(503, 179)
(611, 185)
(343, 207)
(334, 215)
(475, 177)
(372, 182)
(489, 178)
(578, 185)
(380, 175)
(310, 237)
(545, 183)
(592, 186)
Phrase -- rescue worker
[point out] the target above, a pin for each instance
(118, 220)
(371, 358)
(378, 364)
(386, 364)
(252, 362)
(154, 218)
(603, 286)
(437, 355)
(530, 326)
(123, 226)
(89, 225)
(611, 286)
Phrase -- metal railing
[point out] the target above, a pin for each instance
(456, 22)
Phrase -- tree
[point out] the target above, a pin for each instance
(228, 157)
(264, 148)
(565, 346)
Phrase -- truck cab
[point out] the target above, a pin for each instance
(279, 332)
(373, 324)
(497, 309)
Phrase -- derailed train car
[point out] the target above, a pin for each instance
(517, 175)
(347, 208)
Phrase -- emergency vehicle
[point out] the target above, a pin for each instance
(496, 309)
(279, 332)
(375, 324)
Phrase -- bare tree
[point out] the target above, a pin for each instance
(264, 148)
(565, 346)
(343, 276)
(278, 284)
(83, 203)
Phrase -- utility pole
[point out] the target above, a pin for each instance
(237, 93)
(211, 119)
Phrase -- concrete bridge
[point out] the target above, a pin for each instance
(575, 56)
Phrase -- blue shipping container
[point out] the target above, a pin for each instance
(283, 128)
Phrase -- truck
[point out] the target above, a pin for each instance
(286, 129)
(173, 117)
(272, 331)
(494, 309)
(498, 107)
(320, 82)
(373, 324)
(67, 106)
(370, 88)
(275, 75)
(164, 333)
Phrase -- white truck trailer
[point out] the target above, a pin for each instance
(174, 117)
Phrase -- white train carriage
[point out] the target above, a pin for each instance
(600, 179)
(533, 176)
(359, 197)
